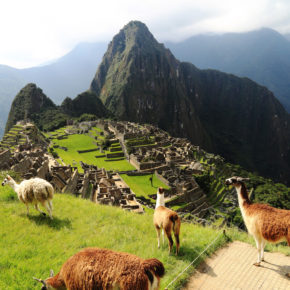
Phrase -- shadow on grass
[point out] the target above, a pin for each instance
(56, 223)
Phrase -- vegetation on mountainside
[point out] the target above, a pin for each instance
(31, 103)
(224, 198)
(85, 103)
(28, 101)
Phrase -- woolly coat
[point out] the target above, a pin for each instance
(35, 190)
(94, 268)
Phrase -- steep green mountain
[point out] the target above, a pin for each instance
(31, 103)
(28, 101)
(85, 103)
(262, 55)
(140, 80)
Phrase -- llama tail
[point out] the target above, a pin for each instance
(176, 223)
(49, 191)
(153, 266)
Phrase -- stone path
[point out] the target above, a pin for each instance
(232, 268)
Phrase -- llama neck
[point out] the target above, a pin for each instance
(160, 200)
(14, 185)
(242, 196)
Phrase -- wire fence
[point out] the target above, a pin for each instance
(196, 258)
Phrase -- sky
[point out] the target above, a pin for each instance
(34, 32)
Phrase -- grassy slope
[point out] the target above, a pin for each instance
(31, 246)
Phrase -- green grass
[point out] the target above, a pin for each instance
(31, 246)
(82, 142)
(141, 185)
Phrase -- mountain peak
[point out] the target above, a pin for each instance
(135, 33)
(28, 101)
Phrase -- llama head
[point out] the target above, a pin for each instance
(160, 190)
(7, 180)
(235, 181)
(46, 285)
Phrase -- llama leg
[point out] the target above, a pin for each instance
(158, 235)
(258, 244)
(50, 205)
(262, 249)
(37, 208)
(177, 242)
(46, 205)
(162, 236)
(170, 241)
(168, 230)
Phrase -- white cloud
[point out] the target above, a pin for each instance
(35, 31)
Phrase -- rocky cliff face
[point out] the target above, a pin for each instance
(140, 80)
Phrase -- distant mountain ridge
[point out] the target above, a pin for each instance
(262, 55)
(141, 81)
(65, 77)
(72, 74)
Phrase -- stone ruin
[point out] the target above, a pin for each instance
(171, 159)
(31, 159)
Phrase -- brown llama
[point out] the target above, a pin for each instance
(167, 220)
(94, 268)
(263, 222)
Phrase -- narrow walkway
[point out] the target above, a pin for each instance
(232, 268)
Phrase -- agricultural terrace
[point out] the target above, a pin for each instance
(77, 142)
(141, 185)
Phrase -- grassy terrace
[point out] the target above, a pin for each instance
(84, 142)
(141, 185)
(31, 246)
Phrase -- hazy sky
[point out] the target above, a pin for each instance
(36, 31)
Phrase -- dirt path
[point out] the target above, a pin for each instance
(232, 268)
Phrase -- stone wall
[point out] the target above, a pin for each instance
(4, 159)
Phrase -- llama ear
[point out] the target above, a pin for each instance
(40, 281)
(51, 273)
(8, 177)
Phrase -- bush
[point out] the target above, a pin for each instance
(203, 181)
(87, 117)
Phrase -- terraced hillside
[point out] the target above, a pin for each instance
(195, 178)
(21, 135)
(91, 148)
